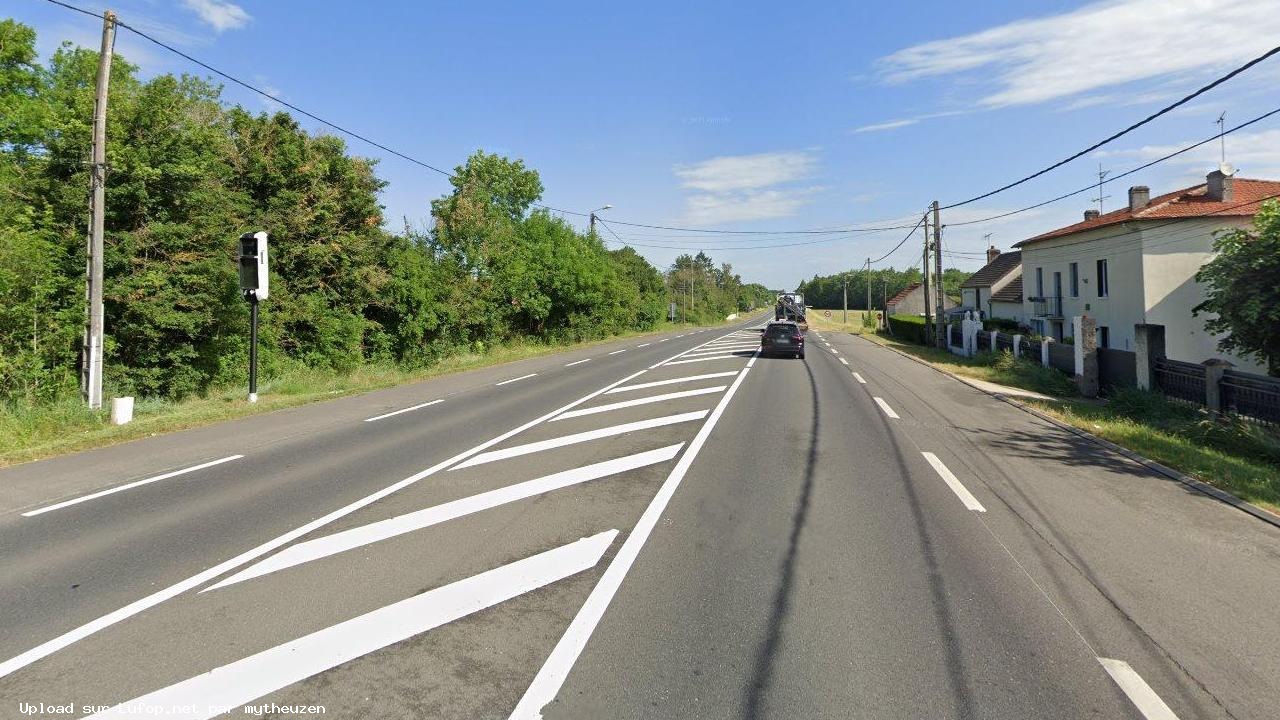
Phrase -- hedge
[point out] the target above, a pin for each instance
(907, 327)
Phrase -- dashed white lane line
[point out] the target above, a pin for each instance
(392, 527)
(858, 377)
(845, 362)
(615, 352)
(673, 381)
(129, 486)
(639, 401)
(643, 345)
(232, 685)
(1139, 692)
(885, 407)
(522, 377)
(664, 339)
(551, 676)
(405, 410)
(577, 362)
(581, 437)
(954, 483)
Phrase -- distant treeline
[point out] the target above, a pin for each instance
(824, 291)
(188, 173)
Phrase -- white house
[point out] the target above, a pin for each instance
(977, 292)
(1138, 265)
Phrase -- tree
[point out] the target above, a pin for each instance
(1242, 291)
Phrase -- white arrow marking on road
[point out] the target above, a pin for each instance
(374, 532)
(1139, 692)
(408, 409)
(130, 486)
(673, 381)
(885, 407)
(639, 401)
(541, 445)
(954, 483)
(231, 686)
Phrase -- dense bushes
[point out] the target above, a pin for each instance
(907, 327)
(188, 174)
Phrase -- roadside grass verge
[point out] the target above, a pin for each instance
(1240, 457)
(31, 433)
(836, 322)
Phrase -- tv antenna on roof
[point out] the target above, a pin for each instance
(1102, 174)
(1222, 138)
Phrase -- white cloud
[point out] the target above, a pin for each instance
(746, 187)
(744, 172)
(890, 125)
(1255, 155)
(1101, 45)
(219, 14)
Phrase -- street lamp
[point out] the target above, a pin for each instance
(593, 216)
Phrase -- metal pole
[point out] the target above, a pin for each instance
(91, 354)
(941, 306)
(593, 223)
(253, 347)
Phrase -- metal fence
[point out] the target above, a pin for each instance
(1062, 356)
(983, 340)
(957, 335)
(1117, 368)
(1181, 380)
(1253, 396)
(1004, 341)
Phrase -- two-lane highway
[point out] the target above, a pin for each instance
(671, 527)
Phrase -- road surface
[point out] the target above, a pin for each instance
(666, 527)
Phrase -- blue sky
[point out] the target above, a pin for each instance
(747, 115)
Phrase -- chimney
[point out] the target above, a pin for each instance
(1090, 215)
(1139, 197)
(992, 254)
(1221, 183)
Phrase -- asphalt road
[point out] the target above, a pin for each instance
(667, 527)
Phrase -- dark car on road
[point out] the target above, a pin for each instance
(782, 338)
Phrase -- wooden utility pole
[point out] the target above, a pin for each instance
(869, 286)
(939, 338)
(928, 316)
(844, 289)
(91, 353)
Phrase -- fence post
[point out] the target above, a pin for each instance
(1044, 351)
(994, 334)
(1213, 370)
(1085, 329)
(1017, 346)
(1148, 345)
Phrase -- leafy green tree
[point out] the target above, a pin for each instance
(1242, 289)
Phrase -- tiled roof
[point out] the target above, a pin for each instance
(902, 295)
(1011, 293)
(1187, 203)
(991, 273)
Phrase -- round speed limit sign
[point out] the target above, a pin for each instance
(827, 313)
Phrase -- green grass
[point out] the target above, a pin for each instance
(1239, 457)
(35, 432)
(835, 323)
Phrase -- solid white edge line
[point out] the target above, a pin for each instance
(405, 410)
(954, 483)
(128, 486)
(885, 407)
(373, 532)
(79, 633)
(638, 401)
(858, 377)
(575, 438)
(577, 362)
(673, 381)
(233, 685)
(551, 676)
(845, 362)
(1137, 689)
(522, 377)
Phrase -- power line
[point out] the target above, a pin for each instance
(900, 242)
(1140, 168)
(704, 248)
(1123, 132)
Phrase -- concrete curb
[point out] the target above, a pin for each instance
(1213, 492)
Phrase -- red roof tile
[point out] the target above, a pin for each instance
(905, 292)
(1187, 203)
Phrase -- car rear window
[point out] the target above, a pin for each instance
(780, 331)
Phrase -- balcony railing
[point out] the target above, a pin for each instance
(1050, 307)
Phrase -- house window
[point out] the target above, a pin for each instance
(1104, 336)
(1039, 282)
(1102, 278)
(1075, 280)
